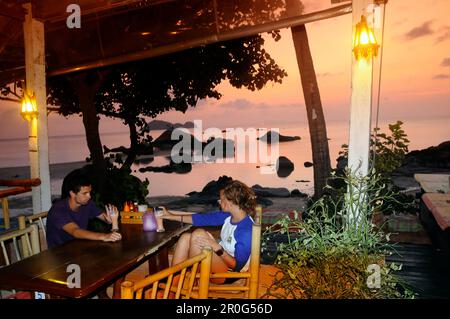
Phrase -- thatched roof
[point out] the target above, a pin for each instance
(117, 31)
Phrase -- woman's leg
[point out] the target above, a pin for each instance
(181, 249)
(217, 263)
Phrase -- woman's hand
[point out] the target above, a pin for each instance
(208, 240)
(165, 212)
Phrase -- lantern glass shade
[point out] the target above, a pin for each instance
(364, 42)
(29, 107)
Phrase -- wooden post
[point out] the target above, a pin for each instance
(205, 272)
(23, 240)
(35, 84)
(5, 208)
(361, 102)
(258, 215)
(360, 109)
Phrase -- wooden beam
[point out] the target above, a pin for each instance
(224, 36)
(38, 133)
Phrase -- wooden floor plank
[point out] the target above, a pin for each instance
(424, 269)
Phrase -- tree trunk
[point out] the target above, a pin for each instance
(316, 119)
(86, 86)
(132, 152)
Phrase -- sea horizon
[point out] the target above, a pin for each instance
(422, 133)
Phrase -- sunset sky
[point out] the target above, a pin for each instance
(415, 79)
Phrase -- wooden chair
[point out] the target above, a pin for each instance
(186, 274)
(29, 239)
(246, 285)
(39, 220)
(25, 242)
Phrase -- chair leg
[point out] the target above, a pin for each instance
(117, 287)
(159, 261)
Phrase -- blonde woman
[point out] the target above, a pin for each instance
(232, 251)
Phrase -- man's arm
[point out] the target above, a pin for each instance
(103, 218)
(77, 232)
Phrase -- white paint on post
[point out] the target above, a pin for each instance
(360, 109)
(35, 83)
(360, 117)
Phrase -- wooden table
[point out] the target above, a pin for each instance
(439, 206)
(434, 183)
(101, 263)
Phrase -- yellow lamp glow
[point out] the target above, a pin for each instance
(29, 108)
(364, 43)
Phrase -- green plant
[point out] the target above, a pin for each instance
(387, 154)
(119, 186)
(388, 150)
(328, 253)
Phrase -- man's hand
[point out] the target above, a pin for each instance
(112, 216)
(112, 237)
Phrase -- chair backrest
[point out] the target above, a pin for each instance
(248, 284)
(39, 219)
(255, 255)
(182, 275)
(29, 243)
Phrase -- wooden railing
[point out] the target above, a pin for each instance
(18, 186)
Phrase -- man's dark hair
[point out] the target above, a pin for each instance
(74, 181)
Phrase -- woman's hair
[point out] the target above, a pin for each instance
(240, 194)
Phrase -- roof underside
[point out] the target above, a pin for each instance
(117, 31)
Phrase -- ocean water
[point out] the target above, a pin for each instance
(66, 149)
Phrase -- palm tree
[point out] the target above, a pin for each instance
(316, 119)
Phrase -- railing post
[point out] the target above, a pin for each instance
(34, 237)
(22, 225)
(6, 212)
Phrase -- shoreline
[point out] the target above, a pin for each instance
(57, 170)
(22, 204)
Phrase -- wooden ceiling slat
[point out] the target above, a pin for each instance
(12, 10)
(53, 11)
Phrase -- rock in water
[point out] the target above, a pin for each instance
(284, 166)
(308, 164)
(297, 193)
(270, 191)
(429, 160)
(269, 136)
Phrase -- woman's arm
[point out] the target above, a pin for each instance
(185, 217)
(210, 241)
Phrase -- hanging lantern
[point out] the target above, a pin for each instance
(364, 43)
(29, 109)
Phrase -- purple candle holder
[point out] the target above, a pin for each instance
(149, 222)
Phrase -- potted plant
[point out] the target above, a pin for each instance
(335, 251)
